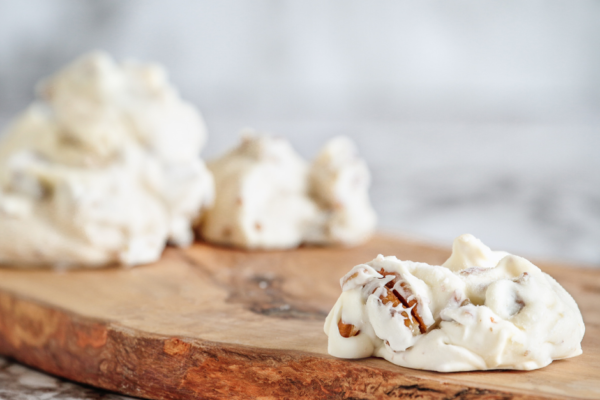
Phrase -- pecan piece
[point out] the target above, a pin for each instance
(385, 273)
(389, 296)
(347, 330)
(412, 303)
(416, 318)
(348, 279)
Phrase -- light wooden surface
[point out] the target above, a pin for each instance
(210, 322)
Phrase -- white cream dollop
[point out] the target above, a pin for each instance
(480, 310)
(268, 197)
(104, 168)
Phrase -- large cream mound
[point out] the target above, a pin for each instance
(103, 169)
(268, 197)
(480, 310)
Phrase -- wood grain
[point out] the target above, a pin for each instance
(208, 322)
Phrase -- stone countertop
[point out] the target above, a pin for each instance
(18, 382)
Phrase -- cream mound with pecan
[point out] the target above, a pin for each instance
(268, 197)
(104, 168)
(480, 310)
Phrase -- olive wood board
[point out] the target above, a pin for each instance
(210, 322)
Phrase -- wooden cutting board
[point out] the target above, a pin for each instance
(208, 322)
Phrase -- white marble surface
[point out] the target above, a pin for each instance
(475, 116)
(343, 60)
(18, 382)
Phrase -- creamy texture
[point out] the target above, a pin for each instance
(481, 310)
(268, 197)
(104, 168)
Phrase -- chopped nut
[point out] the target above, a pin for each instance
(523, 278)
(388, 297)
(354, 275)
(391, 296)
(347, 330)
(407, 304)
(385, 273)
(472, 271)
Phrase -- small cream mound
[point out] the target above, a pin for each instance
(480, 310)
(268, 197)
(104, 168)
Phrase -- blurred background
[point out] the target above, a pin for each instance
(474, 116)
